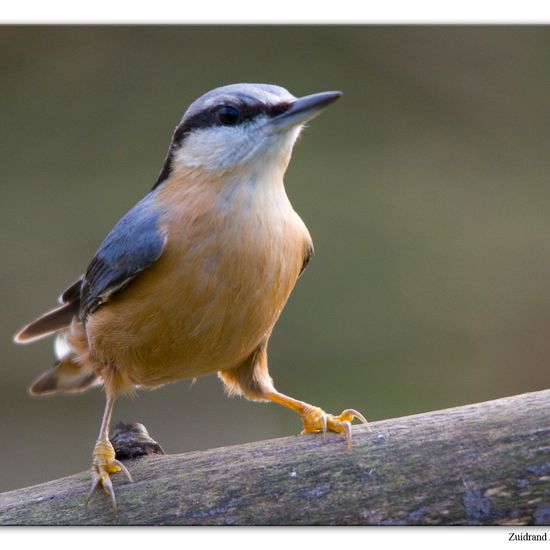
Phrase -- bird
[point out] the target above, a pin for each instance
(193, 278)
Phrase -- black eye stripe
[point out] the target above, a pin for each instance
(279, 109)
(209, 118)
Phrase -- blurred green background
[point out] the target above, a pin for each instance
(426, 190)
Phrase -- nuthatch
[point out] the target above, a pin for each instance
(192, 279)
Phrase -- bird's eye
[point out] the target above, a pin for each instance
(228, 115)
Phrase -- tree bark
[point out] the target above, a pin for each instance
(486, 464)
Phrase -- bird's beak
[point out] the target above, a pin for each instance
(304, 108)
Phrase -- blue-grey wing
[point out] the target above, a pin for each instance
(134, 244)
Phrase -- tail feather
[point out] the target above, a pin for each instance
(47, 324)
(66, 376)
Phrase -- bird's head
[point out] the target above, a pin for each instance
(241, 127)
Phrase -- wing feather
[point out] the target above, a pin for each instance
(133, 245)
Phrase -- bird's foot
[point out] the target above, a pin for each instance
(104, 463)
(317, 420)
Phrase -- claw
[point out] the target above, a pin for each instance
(317, 420)
(324, 423)
(108, 490)
(347, 430)
(104, 463)
(350, 414)
(95, 482)
(124, 470)
(103, 480)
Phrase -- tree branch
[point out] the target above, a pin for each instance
(487, 463)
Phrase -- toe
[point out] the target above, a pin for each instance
(317, 420)
(104, 464)
(350, 414)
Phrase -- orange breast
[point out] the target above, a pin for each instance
(232, 258)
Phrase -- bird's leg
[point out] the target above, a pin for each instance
(316, 419)
(252, 380)
(104, 462)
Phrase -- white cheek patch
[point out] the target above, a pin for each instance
(216, 148)
(221, 147)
